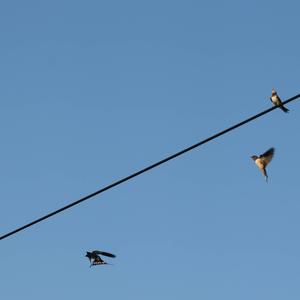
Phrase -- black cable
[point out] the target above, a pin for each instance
(145, 169)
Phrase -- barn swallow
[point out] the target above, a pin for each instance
(95, 258)
(277, 101)
(263, 160)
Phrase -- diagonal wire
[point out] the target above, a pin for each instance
(110, 186)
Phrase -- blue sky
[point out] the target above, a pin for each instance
(95, 90)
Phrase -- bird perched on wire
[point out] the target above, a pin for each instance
(277, 101)
(95, 258)
(263, 160)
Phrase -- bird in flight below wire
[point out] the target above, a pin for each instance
(263, 160)
(277, 101)
(95, 258)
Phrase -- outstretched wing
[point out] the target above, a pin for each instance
(267, 156)
(104, 253)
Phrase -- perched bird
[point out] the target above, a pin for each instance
(277, 101)
(95, 258)
(263, 160)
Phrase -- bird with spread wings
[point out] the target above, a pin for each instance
(95, 258)
(263, 160)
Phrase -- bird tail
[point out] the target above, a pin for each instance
(284, 109)
(265, 174)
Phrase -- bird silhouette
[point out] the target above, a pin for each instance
(95, 258)
(263, 160)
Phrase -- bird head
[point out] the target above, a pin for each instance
(88, 255)
(254, 157)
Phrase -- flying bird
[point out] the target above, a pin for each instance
(277, 101)
(95, 258)
(263, 160)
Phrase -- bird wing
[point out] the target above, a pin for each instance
(267, 156)
(104, 253)
(279, 99)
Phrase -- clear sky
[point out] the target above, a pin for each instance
(92, 91)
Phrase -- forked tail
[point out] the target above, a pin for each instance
(284, 109)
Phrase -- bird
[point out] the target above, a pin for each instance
(95, 258)
(263, 160)
(277, 101)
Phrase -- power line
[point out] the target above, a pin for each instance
(146, 169)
